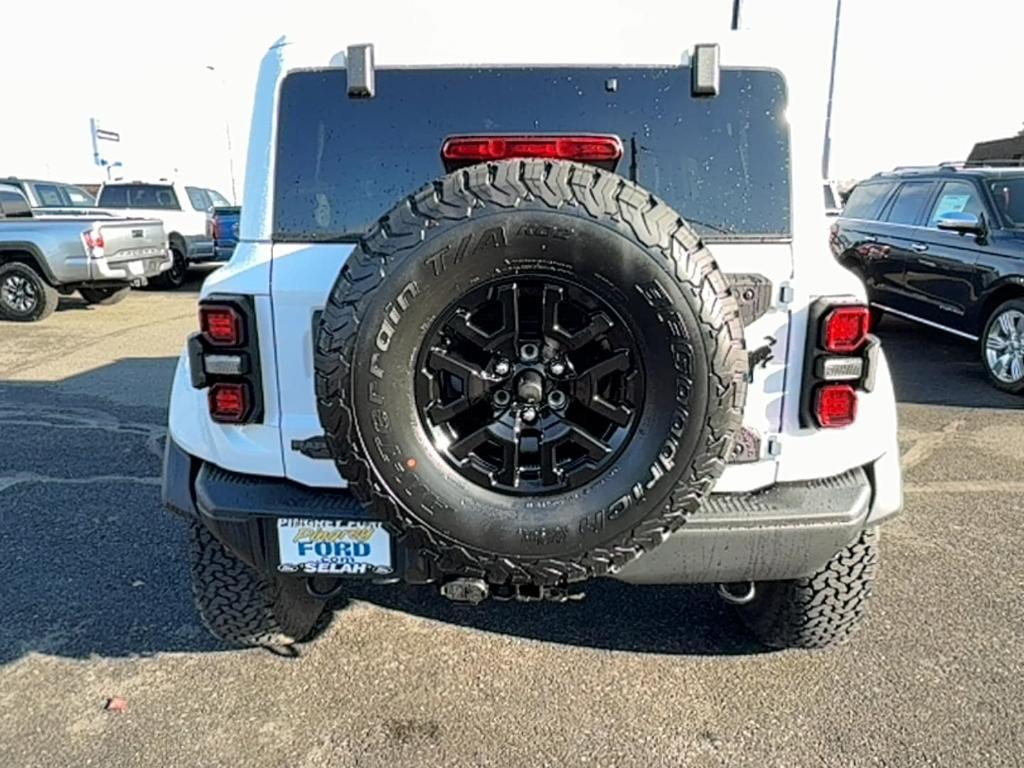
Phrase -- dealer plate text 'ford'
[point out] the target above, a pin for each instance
(333, 546)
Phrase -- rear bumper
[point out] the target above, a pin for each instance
(130, 269)
(786, 531)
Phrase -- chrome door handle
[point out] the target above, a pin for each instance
(919, 247)
(927, 263)
(870, 239)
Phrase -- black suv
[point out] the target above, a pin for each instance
(944, 246)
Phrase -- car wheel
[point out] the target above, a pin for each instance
(104, 297)
(819, 610)
(1002, 346)
(533, 370)
(24, 295)
(243, 607)
(175, 276)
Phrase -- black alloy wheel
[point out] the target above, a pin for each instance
(530, 385)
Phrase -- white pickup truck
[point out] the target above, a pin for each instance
(182, 208)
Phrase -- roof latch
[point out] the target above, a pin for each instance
(359, 64)
(704, 70)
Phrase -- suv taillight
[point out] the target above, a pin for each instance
(221, 325)
(840, 362)
(224, 359)
(846, 328)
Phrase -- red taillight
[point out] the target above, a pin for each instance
(221, 325)
(584, 149)
(93, 240)
(845, 329)
(229, 402)
(835, 405)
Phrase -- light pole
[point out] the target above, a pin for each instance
(827, 153)
(227, 133)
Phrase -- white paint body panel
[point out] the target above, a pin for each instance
(293, 280)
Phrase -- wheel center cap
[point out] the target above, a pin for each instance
(530, 387)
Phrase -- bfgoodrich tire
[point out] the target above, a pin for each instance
(243, 607)
(605, 283)
(820, 610)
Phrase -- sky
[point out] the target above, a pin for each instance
(918, 81)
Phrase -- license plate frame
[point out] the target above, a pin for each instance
(333, 547)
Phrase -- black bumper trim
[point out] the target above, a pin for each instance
(784, 532)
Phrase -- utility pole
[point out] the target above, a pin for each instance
(227, 132)
(736, 13)
(827, 153)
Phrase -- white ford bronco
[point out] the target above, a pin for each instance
(508, 329)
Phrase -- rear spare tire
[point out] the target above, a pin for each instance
(533, 369)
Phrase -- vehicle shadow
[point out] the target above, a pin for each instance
(614, 616)
(931, 367)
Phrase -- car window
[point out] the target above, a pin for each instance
(866, 200)
(722, 163)
(48, 195)
(139, 196)
(218, 199)
(909, 203)
(1009, 197)
(956, 197)
(79, 198)
(13, 205)
(199, 198)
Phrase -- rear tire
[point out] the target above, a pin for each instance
(175, 276)
(25, 297)
(1004, 331)
(243, 607)
(816, 611)
(104, 297)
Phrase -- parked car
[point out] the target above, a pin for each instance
(184, 210)
(53, 196)
(503, 350)
(42, 258)
(944, 246)
(223, 225)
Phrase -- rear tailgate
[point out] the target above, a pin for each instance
(132, 239)
(722, 163)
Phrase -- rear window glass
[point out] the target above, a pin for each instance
(909, 203)
(722, 163)
(1009, 197)
(866, 201)
(48, 195)
(199, 198)
(139, 196)
(80, 198)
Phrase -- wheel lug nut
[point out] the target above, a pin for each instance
(529, 414)
(556, 399)
(557, 368)
(502, 368)
(502, 398)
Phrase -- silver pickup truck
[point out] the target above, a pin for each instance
(44, 257)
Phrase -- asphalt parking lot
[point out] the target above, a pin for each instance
(96, 605)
